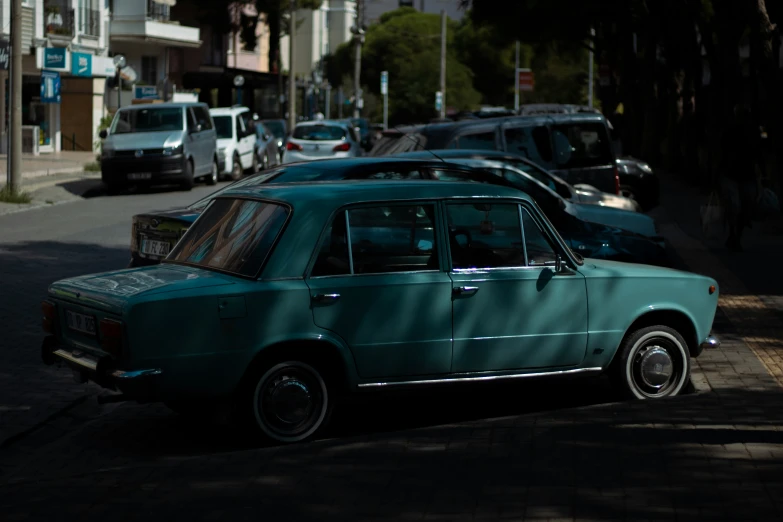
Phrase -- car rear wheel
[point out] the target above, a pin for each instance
(290, 401)
(653, 363)
(236, 168)
(212, 178)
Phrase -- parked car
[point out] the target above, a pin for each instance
(549, 198)
(279, 129)
(256, 307)
(574, 146)
(321, 140)
(639, 182)
(159, 144)
(154, 234)
(567, 191)
(362, 128)
(266, 147)
(236, 140)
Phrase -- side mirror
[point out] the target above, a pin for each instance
(103, 134)
(195, 129)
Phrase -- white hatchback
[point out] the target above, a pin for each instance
(236, 140)
(318, 140)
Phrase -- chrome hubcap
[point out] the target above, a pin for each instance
(656, 367)
(290, 401)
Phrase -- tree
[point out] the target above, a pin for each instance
(406, 43)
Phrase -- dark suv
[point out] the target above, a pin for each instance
(577, 147)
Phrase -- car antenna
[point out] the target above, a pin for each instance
(417, 142)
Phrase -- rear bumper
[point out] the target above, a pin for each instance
(710, 343)
(141, 385)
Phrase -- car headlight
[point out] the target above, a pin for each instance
(221, 154)
(171, 151)
(644, 167)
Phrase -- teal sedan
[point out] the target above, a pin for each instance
(281, 298)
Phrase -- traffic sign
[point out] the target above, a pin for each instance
(526, 80)
(438, 100)
(384, 82)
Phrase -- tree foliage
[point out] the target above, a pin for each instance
(406, 43)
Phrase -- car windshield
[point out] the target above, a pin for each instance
(319, 133)
(232, 235)
(148, 120)
(223, 126)
(276, 127)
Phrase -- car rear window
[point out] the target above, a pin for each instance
(232, 235)
(582, 145)
(319, 133)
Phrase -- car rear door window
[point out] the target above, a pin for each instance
(393, 174)
(479, 140)
(379, 240)
(582, 145)
(485, 235)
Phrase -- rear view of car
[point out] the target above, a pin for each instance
(321, 140)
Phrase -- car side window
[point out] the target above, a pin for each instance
(530, 142)
(485, 235)
(191, 120)
(202, 117)
(480, 141)
(240, 128)
(537, 247)
(382, 240)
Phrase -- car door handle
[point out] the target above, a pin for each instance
(465, 290)
(325, 298)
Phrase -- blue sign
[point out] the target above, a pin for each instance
(146, 92)
(54, 58)
(81, 64)
(50, 87)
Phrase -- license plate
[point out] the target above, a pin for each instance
(80, 322)
(140, 175)
(155, 248)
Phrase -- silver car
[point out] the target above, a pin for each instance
(319, 140)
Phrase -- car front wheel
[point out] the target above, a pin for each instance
(236, 169)
(653, 363)
(290, 402)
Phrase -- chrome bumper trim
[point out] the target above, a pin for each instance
(711, 342)
(81, 359)
(479, 378)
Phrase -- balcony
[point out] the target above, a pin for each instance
(90, 22)
(59, 19)
(150, 21)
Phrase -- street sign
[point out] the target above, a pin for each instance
(239, 80)
(526, 80)
(384, 82)
(50, 87)
(438, 100)
(5, 51)
(146, 92)
(119, 60)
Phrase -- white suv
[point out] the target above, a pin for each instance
(236, 140)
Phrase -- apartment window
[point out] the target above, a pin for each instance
(149, 70)
(158, 11)
(90, 17)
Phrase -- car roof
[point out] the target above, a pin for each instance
(227, 111)
(167, 105)
(341, 193)
(498, 155)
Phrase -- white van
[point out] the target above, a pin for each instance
(236, 141)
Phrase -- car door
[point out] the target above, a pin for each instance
(376, 282)
(195, 139)
(483, 139)
(511, 310)
(530, 139)
(247, 139)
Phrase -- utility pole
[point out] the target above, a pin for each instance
(590, 71)
(291, 58)
(443, 63)
(516, 79)
(357, 71)
(279, 62)
(15, 151)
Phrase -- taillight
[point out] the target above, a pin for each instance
(616, 180)
(292, 146)
(111, 336)
(343, 147)
(49, 317)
